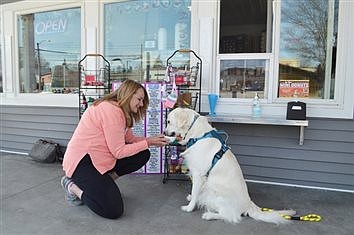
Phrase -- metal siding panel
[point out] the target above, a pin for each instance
(286, 143)
(332, 124)
(20, 138)
(302, 183)
(53, 111)
(329, 135)
(20, 147)
(298, 154)
(299, 165)
(41, 118)
(261, 130)
(21, 126)
(40, 126)
(306, 176)
(39, 133)
(32, 139)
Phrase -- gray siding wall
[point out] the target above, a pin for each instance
(265, 153)
(21, 126)
(272, 153)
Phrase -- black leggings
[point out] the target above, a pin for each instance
(100, 193)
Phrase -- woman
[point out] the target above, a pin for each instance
(104, 148)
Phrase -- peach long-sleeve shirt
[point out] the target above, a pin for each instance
(102, 133)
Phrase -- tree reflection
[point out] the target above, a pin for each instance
(305, 31)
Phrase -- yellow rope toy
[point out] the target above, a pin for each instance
(309, 217)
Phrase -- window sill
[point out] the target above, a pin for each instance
(267, 120)
(40, 99)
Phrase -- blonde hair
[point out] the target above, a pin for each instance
(123, 96)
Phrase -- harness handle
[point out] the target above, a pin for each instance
(222, 132)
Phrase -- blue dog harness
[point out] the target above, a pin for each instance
(219, 154)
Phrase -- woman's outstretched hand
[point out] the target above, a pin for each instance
(158, 140)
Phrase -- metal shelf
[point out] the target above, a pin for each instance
(194, 87)
(266, 120)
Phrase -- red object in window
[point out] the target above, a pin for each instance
(89, 78)
(179, 80)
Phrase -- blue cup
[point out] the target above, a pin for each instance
(213, 98)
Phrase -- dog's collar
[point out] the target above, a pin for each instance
(194, 119)
(219, 154)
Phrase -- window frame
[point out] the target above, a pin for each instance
(248, 56)
(12, 94)
(339, 107)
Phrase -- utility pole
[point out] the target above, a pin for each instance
(39, 69)
(40, 85)
(64, 71)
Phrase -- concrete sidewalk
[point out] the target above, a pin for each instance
(32, 202)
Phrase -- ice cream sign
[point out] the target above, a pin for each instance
(51, 26)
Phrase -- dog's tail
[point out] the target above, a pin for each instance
(273, 216)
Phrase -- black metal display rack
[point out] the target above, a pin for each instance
(94, 80)
(187, 76)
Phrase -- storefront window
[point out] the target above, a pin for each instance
(244, 46)
(139, 36)
(49, 50)
(308, 43)
(242, 76)
(245, 26)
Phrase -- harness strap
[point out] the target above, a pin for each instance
(219, 154)
(210, 134)
(194, 119)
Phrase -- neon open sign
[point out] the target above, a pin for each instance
(51, 26)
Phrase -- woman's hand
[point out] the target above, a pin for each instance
(158, 140)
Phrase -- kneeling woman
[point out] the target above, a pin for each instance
(104, 148)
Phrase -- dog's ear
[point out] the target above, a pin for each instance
(182, 116)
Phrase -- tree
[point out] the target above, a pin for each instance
(305, 30)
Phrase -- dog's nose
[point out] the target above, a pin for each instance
(166, 133)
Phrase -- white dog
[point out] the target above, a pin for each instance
(218, 185)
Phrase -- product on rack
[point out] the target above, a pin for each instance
(90, 101)
(182, 76)
(94, 80)
(171, 98)
(84, 104)
(256, 107)
(174, 163)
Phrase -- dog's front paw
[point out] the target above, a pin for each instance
(187, 208)
(189, 197)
